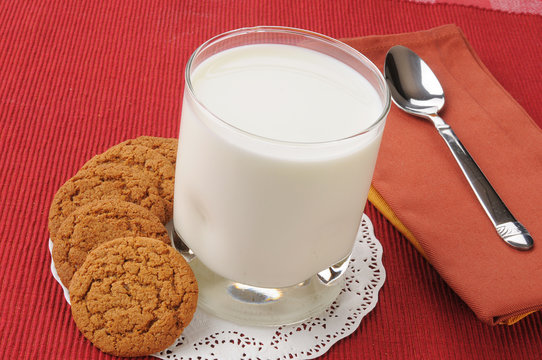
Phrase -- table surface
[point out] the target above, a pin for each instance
(79, 76)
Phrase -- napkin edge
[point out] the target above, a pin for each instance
(383, 207)
(492, 77)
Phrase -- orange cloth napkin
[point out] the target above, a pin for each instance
(419, 187)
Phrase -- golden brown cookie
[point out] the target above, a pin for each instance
(167, 147)
(133, 296)
(97, 222)
(115, 181)
(144, 159)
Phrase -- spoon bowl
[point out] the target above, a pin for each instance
(415, 89)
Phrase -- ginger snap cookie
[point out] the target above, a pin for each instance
(133, 296)
(96, 223)
(167, 147)
(106, 181)
(144, 159)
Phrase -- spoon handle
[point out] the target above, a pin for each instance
(508, 228)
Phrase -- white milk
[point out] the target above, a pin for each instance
(281, 200)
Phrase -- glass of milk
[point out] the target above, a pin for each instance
(279, 136)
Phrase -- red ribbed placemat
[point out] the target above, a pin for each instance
(78, 77)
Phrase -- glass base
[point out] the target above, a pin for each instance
(257, 306)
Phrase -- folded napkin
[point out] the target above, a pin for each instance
(419, 187)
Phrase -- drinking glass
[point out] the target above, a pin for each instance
(271, 183)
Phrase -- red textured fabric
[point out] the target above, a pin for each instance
(79, 76)
(511, 6)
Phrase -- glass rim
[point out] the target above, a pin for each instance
(300, 32)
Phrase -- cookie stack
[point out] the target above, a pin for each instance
(131, 293)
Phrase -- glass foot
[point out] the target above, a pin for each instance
(257, 306)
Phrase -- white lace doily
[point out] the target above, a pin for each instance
(208, 337)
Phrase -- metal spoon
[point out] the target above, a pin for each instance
(416, 90)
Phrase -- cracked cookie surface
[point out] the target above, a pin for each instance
(97, 182)
(144, 159)
(167, 147)
(94, 224)
(133, 296)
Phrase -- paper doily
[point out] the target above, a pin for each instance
(208, 337)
